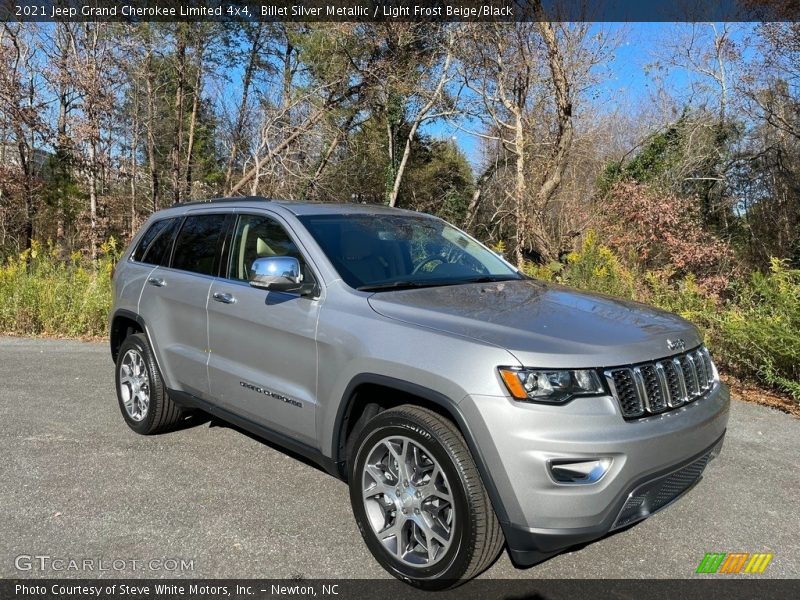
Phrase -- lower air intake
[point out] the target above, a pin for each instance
(656, 494)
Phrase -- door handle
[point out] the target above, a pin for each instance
(225, 298)
(157, 281)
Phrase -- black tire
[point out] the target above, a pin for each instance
(162, 413)
(477, 538)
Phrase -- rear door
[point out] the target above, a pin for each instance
(152, 246)
(263, 363)
(175, 298)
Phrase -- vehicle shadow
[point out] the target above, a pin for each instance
(193, 418)
(216, 422)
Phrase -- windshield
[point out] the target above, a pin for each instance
(373, 252)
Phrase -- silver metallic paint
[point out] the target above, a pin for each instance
(448, 340)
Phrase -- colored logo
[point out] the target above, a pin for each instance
(734, 562)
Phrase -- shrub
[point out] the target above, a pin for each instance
(664, 232)
(596, 268)
(42, 294)
(759, 332)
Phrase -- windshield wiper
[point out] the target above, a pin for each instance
(407, 285)
(489, 279)
(403, 285)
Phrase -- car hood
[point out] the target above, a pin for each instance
(542, 325)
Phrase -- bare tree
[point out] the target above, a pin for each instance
(21, 113)
(205, 40)
(290, 109)
(134, 159)
(256, 36)
(708, 53)
(181, 41)
(527, 79)
(56, 43)
(93, 61)
(513, 70)
(771, 81)
(428, 96)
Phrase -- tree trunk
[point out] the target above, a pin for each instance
(391, 124)
(236, 138)
(151, 136)
(398, 174)
(25, 149)
(520, 189)
(420, 116)
(63, 152)
(92, 98)
(193, 124)
(180, 85)
(134, 148)
(474, 203)
(93, 199)
(563, 141)
(25, 159)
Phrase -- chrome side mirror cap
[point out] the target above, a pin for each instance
(276, 273)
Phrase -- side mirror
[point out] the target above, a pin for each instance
(276, 273)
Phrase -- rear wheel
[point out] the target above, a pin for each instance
(143, 399)
(419, 501)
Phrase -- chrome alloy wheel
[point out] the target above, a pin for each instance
(408, 501)
(134, 385)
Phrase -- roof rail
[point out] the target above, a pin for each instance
(228, 199)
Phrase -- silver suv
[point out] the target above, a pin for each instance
(468, 406)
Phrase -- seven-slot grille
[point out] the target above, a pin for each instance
(653, 387)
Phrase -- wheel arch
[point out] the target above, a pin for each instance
(123, 324)
(354, 401)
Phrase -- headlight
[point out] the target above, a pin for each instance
(549, 386)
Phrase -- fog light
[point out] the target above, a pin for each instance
(580, 472)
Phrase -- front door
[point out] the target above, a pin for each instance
(263, 361)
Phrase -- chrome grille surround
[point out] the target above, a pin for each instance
(654, 387)
(625, 390)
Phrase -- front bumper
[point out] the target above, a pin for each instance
(653, 462)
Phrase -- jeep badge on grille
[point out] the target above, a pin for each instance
(676, 344)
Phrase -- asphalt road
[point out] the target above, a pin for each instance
(77, 483)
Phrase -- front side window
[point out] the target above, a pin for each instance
(380, 251)
(197, 246)
(258, 236)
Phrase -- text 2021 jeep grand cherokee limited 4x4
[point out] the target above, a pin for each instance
(467, 405)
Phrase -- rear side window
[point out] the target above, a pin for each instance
(197, 246)
(156, 243)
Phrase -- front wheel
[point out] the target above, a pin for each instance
(419, 501)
